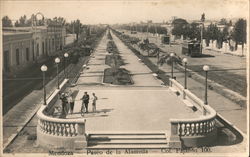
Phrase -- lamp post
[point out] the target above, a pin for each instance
(206, 69)
(57, 61)
(44, 68)
(185, 81)
(66, 55)
(172, 65)
(201, 44)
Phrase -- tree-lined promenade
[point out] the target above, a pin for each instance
(223, 31)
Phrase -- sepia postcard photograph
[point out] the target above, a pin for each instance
(124, 78)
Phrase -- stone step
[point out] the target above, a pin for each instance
(125, 142)
(126, 136)
(134, 146)
(127, 133)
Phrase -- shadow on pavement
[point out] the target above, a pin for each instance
(204, 56)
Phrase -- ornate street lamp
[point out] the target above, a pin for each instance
(66, 55)
(44, 68)
(172, 64)
(185, 81)
(206, 69)
(57, 61)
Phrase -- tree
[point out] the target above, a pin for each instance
(192, 31)
(22, 22)
(212, 32)
(239, 32)
(74, 27)
(180, 26)
(223, 21)
(6, 22)
(203, 17)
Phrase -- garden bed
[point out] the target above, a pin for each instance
(118, 76)
(154, 68)
(114, 60)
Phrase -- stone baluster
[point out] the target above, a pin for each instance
(54, 129)
(205, 127)
(59, 129)
(180, 129)
(74, 129)
(70, 129)
(49, 128)
(67, 130)
(190, 129)
(185, 129)
(62, 129)
(46, 126)
(195, 131)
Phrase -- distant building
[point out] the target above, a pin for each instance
(18, 51)
(23, 46)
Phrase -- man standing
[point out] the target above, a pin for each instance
(64, 105)
(94, 102)
(85, 101)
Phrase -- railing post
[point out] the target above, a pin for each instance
(81, 128)
(174, 138)
(81, 142)
(184, 94)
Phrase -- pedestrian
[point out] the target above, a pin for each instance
(67, 107)
(71, 103)
(85, 101)
(94, 102)
(64, 105)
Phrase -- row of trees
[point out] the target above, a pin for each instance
(73, 27)
(212, 32)
(151, 28)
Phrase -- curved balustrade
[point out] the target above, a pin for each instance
(59, 133)
(59, 127)
(196, 131)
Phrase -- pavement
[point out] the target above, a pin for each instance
(122, 109)
(228, 109)
(144, 106)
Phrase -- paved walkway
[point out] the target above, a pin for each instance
(121, 109)
(93, 74)
(144, 106)
(228, 109)
(141, 74)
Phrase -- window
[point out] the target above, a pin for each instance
(43, 47)
(37, 50)
(17, 57)
(33, 51)
(6, 60)
(27, 54)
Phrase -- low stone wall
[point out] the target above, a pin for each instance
(193, 132)
(57, 132)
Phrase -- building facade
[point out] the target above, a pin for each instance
(24, 46)
(17, 51)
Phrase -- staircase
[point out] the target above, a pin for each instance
(127, 141)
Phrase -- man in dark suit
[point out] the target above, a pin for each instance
(85, 101)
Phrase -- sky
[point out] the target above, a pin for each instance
(111, 12)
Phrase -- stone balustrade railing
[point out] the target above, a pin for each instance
(59, 133)
(59, 127)
(196, 131)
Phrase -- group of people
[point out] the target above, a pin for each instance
(68, 103)
(85, 102)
